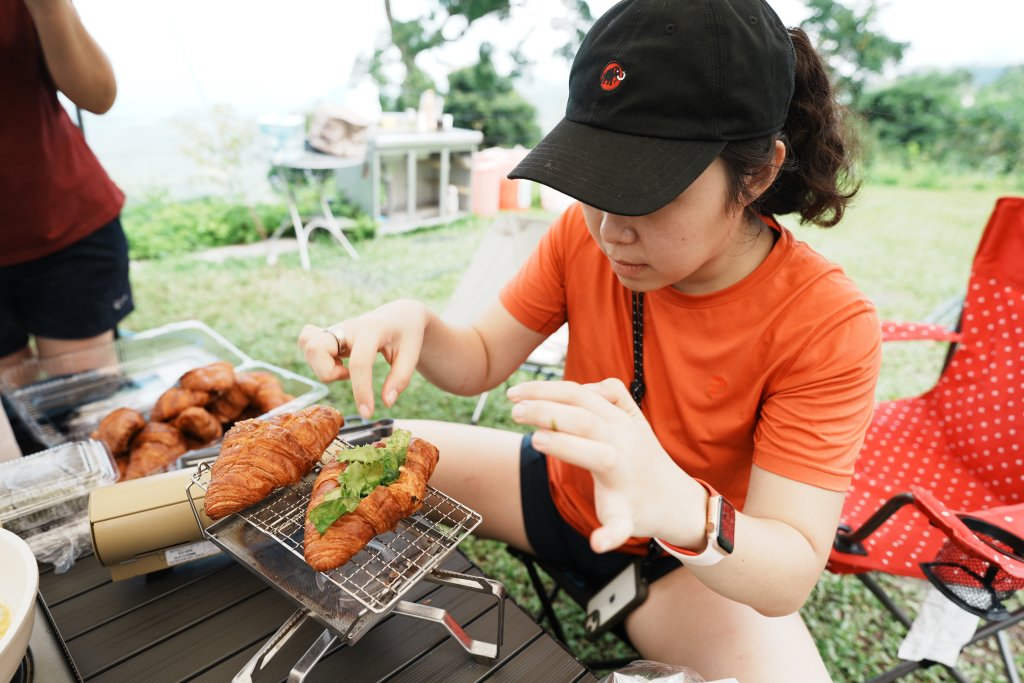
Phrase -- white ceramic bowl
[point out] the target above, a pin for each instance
(19, 581)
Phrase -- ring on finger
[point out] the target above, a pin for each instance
(554, 425)
(337, 338)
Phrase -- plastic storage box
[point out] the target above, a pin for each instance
(44, 498)
(58, 402)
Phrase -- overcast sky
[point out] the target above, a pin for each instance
(175, 60)
(268, 54)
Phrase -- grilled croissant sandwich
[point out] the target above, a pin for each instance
(258, 456)
(378, 510)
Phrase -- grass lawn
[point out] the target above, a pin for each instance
(909, 249)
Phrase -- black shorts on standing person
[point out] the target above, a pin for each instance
(80, 291)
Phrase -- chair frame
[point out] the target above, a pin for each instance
(547, 597)
(849, 541)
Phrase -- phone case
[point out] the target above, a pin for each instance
(616, 600)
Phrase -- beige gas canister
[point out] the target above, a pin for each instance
(144, 525)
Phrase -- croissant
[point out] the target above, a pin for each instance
(175, 400)
(200, 425)
(378, 512)
(154, 448)
(258, 456)
(117, 429)
(122, 465)
(228, 405)
(264, 390)
(314, 427)
(219, 376)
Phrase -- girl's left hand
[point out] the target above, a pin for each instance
(637, 486)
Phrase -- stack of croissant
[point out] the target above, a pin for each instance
(192, 414)
(258, 456)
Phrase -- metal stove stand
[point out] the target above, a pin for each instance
(267, 539)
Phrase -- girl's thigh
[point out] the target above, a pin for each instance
(479, 467)
(684, 622)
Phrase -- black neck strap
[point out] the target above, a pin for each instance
(637, 387)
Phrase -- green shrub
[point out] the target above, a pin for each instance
(158, 226)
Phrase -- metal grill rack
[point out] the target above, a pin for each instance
(267, 538)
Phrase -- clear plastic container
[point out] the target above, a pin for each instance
(58, 402)
(52, 486)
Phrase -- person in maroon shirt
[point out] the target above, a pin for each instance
(63, 253)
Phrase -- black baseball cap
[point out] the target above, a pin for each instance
(657, 90)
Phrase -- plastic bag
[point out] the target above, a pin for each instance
(647, 670)
(340, 131)
(62, 544)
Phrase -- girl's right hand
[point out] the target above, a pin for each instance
(395, 330)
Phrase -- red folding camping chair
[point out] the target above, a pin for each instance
(939, 487)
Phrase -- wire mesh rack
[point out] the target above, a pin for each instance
(386, 568)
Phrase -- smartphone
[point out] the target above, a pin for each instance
(616, 600)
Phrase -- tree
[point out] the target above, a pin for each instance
(481, 99)
(918, 113)
(411, 38)
(853, 49)
(446, 22)
(991, 129)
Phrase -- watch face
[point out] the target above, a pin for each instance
(726, 526)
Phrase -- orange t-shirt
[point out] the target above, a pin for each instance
(777, 370)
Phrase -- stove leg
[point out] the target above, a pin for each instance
(271, 647)
(313, 655)
(481, 651)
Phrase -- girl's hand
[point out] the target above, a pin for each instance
(395, 330)
(638, 489)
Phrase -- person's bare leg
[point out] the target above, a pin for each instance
(684, 622)
(90, 353)
(9, 448)
(19, 356)
(479, 467)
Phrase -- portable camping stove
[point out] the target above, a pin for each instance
(267, 538)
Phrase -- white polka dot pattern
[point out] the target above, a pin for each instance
(960, 446)
(897, 331)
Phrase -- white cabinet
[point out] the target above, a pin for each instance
(413, 180)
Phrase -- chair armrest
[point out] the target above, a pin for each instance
(950, 523)
(904, 331)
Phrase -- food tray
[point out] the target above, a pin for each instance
(58, 403)
(51, 487)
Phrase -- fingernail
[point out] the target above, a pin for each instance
(513, 393)
(518, 411)
(540, 439)
(364, 411)
(391, 397)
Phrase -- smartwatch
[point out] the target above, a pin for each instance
(721, 531)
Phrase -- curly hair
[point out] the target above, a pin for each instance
(816, 181)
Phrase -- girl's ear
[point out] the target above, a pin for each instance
(762, 180)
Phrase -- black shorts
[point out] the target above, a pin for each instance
(79, 292)
(558, 543)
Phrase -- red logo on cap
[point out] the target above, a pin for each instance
(612, 75)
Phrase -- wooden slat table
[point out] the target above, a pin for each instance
(203, 622)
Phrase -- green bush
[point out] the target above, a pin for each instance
(158, 226)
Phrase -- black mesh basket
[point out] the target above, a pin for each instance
(974, 583)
